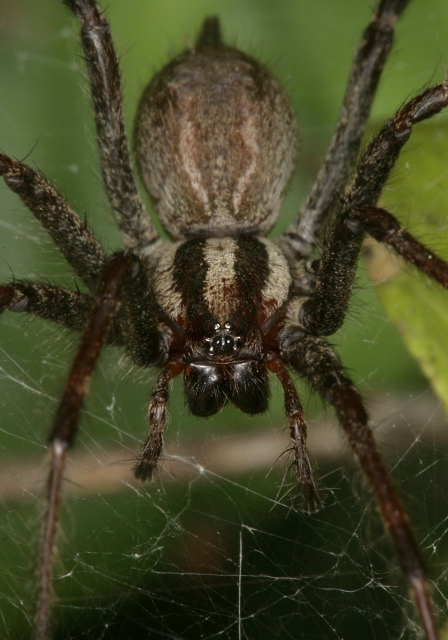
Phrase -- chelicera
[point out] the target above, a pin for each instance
(221, 304)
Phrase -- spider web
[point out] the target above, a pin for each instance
(214, 548)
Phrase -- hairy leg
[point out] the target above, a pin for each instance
(298, 431)
(73, 237)
(313, 359)
(65, 423)
(102, 64)
(153, 447)
(324, 312)
(342, 154)
(62, 306)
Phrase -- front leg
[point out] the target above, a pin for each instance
(324, 312)
(119, 270)
(316, 362)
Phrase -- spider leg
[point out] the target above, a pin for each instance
(313, 358)
(342, 153)
(298, 430)
(324, 312)
(78, 244)
(63, 306)
(152, 449)
(381, 154)
(385, 228)
(65, 423)
(102, 64)
(138, 324)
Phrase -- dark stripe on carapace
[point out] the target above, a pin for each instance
(251, 272)
(190, 270)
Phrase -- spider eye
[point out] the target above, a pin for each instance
(224, 342)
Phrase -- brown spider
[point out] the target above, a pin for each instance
(215, 141)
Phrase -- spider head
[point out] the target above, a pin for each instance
(225, 367)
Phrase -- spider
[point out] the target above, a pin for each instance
(222, 305)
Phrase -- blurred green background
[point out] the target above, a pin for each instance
(212, 549)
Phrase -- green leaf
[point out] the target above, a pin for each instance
(418, 196)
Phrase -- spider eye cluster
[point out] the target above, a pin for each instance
(224, 342)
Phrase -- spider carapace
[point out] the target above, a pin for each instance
(222, 305)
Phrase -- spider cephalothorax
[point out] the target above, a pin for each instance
(223, 298)
(222, 305)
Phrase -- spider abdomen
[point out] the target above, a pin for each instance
(216, 143)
